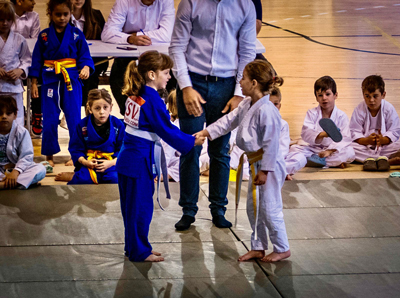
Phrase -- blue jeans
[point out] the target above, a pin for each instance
(216, 94)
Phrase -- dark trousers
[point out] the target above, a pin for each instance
(216, 94)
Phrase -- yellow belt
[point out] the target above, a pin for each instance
(61, 66)
(252, 157)
(97, 154)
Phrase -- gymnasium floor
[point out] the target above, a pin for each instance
(343, 225)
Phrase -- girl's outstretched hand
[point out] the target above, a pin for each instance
(84, 73)
(200, 137)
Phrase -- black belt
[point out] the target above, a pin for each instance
(208, 78)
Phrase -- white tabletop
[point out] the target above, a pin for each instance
(101, 49)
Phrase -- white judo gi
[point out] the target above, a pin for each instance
(362, 124)
(14, 53)
(20, 152)
(259, 127)
(297, 157)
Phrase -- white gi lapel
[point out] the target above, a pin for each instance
(7, 51)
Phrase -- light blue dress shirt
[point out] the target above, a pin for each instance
(212, 37)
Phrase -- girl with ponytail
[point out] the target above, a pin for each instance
(147, 121)
(258, 135)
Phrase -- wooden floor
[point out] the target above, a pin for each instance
(359, 25)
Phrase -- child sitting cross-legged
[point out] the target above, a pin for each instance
(17, 168)
(323, 150)
(95, 145)
(375, 128)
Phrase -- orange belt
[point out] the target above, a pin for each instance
(61, 66)
(97, 154)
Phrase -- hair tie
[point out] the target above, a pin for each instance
(137, 62)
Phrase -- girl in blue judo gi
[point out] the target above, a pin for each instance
(147, 121)
(61, 58)
(96, 143)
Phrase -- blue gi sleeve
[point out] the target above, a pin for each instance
(77, 146)
(120, 137)
(37, 58)
(84, 57)
(163, 127)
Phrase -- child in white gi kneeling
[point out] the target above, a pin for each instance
(17, 169)
(259, 128)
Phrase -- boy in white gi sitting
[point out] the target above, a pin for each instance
(375, 128)
(17, 169)
(322, 150)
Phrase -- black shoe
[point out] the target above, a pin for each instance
(184, 223)
(220, 222)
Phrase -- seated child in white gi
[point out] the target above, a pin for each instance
(17, 169)
(171, 154)
(375, 128)
(259, 127)
(284, 140)
(322, 151)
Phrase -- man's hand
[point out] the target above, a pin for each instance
(3, 74)
(141, 40)
(15, 74)
(260, 178)
(193, 100)
(232, 104)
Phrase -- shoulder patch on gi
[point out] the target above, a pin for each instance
(44, 36)
(76, 36)
(133, 105)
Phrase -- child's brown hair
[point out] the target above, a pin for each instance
(372, 83)
(264, 74)
(51, 5)
(96, 94)
(7, 11)
(172, 106)
(136, 75)
(276, 92)
(324, 83)
(8, 103)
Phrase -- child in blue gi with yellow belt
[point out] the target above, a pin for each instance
(147, 121)
(60, 52)
(96, 143)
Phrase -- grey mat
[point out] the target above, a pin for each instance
(341, 193)
(233, 286)
(334, 286)
(97, 262)
(339, 256)
(328, 223)
(68, 241)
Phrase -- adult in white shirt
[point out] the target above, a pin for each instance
(211, 44)
(137, 22)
